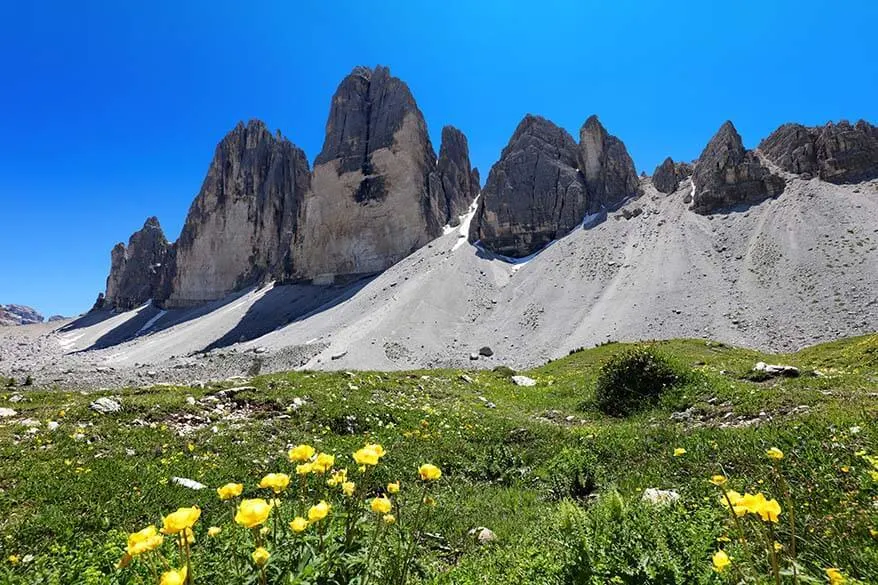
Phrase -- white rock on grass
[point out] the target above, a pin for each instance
(523, 381)
(188, 483)
(660, 497)
(105, 405)
(482, 535)
(7, 412)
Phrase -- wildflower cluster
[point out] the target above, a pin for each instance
(322, 520)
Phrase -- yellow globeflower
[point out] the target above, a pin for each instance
(389, 518)
(369, 455)
(319, 511)
(252, 513)
(835, 577)
(381, 505)
(720, 561)
(348, 488)
(278, 482)
(230, 490)
(393, 488)
(144, 541)
(260, 556)
(304, 468)
(299, 524)
(180, 520)
(774, 453)
(301, 453)
(769, 510)
(338, 478)
(679, 452)
(323, 463)
(214, 531)
(429, 472)
(173, 577)
(718, 480)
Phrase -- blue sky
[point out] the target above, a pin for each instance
(110, 111)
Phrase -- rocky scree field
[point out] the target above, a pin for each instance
(537, 485)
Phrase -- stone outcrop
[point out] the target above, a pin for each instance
(135, 269)
(838, 153)
(667, 176)
(241, 226)
(609, 172)
(534, 193)
(727, 174)
(19, 315)
(460, 182)
(376, 193)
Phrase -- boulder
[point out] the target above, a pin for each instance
(136, 269)
(105, 405)
(664, 178)
(523, 381)
(609, 172)
(486, 351)
(534, 193)
(775, 370)
(727, 174)
(241, 225)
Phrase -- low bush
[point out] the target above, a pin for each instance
(633, 380)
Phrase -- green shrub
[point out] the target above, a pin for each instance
(572, 474)
(633, 380)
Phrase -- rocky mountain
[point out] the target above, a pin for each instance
(545, 184)
(136, 269)
(19, 315)
(727, 174)
(460, 182)
(838, 153)
(667, 176)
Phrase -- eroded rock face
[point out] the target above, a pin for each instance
(19, 315)
(727, 174)
(534, 193)
(609, 172)
(460, 182)
(376, 195)
(838, 153)
(240, 227)
(664, 178)
(135, 270)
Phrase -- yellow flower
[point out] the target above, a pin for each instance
(768, 510)
(299, 524)
(319, 511)
(301, 453)
(260, 556)
(381, 505)
(278, 482)
(679, 452)
(13, 559)
(720, 561)
(389, 518)
(348, 488)
(368, 455)
(777, 546)
(835, 577)
(214, 531)
(190, 535)
(393, 488)
(323, 463)
(304, 468)
(774, 453)
(718, 480)
(845, 469)
(338, 478)
(429, 472)
(144, 541)
(252, 513)
(180, 520)
(173, 577)
(230, 490)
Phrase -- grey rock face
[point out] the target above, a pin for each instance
(460, 183)
(838, 153)
(664, 178)
(19, 315)
(534, 193)
(135, 270)
(240, 227)
(609, 172)
(726, 174)
(376, 194)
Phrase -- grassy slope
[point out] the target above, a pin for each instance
(68, 501)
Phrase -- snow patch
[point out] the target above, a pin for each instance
(465, 221)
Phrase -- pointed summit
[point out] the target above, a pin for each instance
(135, 270)
(609, 171)
(459, 184)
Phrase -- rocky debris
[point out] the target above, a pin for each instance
(523, 381)
(837, 153)
(474, 356)
(54, 318)
(482, 535)
(376, 193)
(777, 370)
(19, 315)
(7, 412)
(136, 270)
(486, 351)
(459, 181)
(241, 225)
(610, 176)
(727, 175)
(105, 405)
(631, 213)
(534, 193)
(659, 497)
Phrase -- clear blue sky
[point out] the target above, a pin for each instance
(110, 111)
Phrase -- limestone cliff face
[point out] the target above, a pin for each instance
(727, 174)
(375, 193)
(241, 225)
(460, 182)
(135, 270)
(609, 172)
